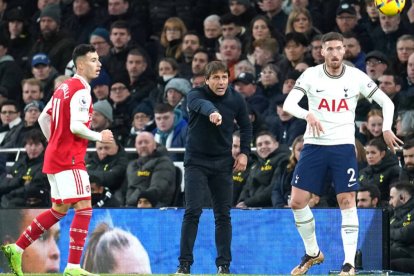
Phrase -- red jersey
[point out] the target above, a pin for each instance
(71, 101)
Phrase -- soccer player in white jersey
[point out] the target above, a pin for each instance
(332, 89)
(65, 123)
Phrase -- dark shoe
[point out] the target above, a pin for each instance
(183, 268)
(306, 263)
(347, 269)
(223, 269)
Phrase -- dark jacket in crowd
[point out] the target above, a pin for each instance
(11, 76)
(111, 170)
(381, 175)
(25, 174)
(155, 172)
(401, 231)
(263, 173)
(407, 175)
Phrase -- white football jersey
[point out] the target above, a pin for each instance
(333, 100)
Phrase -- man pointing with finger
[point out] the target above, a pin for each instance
(208, 160)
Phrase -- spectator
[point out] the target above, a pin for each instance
(191, 43)
(315, 51)
(212, 32)
(260, 28)
(300, 21)
(99, 38)
(114, 62)
(371, 21)
(386, 37)
(244, 66)
(368, 196)
(147, 199)
(272, 159)
(102, 116)
(353, 51)
(199, 62)
(243, 10)
(347, 21)
(43, 71)
(171, 130)
(142, 120)
(232, 27)
(405, 47)
(391, 83)
(269, 82)
(10, 72)
(407, 172)
(175, 94)
(408, 86)
(282, 186)
(266, 51)
(141, 79)
(101, 86)
(285, 126)
(198, 80)
(167, 69)
(152, 171)
(230, 53)
(295, 50)
(376, 63)
(360, 154)
(122, 106)
(372, 128)
(20, 41)
(401, 227)
(405, 125)
(121, 10)
(382, 169)
(273, 10)
(10, 118)
(239, 178)
(246, 85)
(101, 195)
(32, 90)
(81, 22)
(26, 173)
(172, 36)
(55, 43)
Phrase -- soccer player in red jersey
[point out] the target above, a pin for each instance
(65, 122)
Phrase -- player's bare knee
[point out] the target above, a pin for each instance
(297, 204)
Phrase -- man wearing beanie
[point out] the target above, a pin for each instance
(102, 116)
(52, 41)
(100, 40)
(175, 93)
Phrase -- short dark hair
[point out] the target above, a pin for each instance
(10, 102)
(214, 67)
(332, 36)
(409, 144)
(397, 79)
(298, 38)
(82, 50)
(163, 108)
(120, 24)
(373, 190)
(404, 186)
(268, 133)
(377, 142)
(36, 136)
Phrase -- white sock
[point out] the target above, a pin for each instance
(18, 249)
(73, 265)
(305, 223)
(349, 232)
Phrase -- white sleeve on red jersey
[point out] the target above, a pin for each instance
(79, 116)
(44, 120)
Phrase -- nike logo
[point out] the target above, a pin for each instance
(351, 184)
(318, 91)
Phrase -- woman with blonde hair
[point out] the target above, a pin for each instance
(171, 37)
(300, 21)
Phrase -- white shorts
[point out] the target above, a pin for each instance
(69, 186)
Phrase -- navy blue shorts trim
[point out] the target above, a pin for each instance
(317, 163)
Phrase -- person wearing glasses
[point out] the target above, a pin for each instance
(10, 118)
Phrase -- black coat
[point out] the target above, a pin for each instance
(401, 230)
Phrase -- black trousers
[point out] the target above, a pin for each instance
(201, 175)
